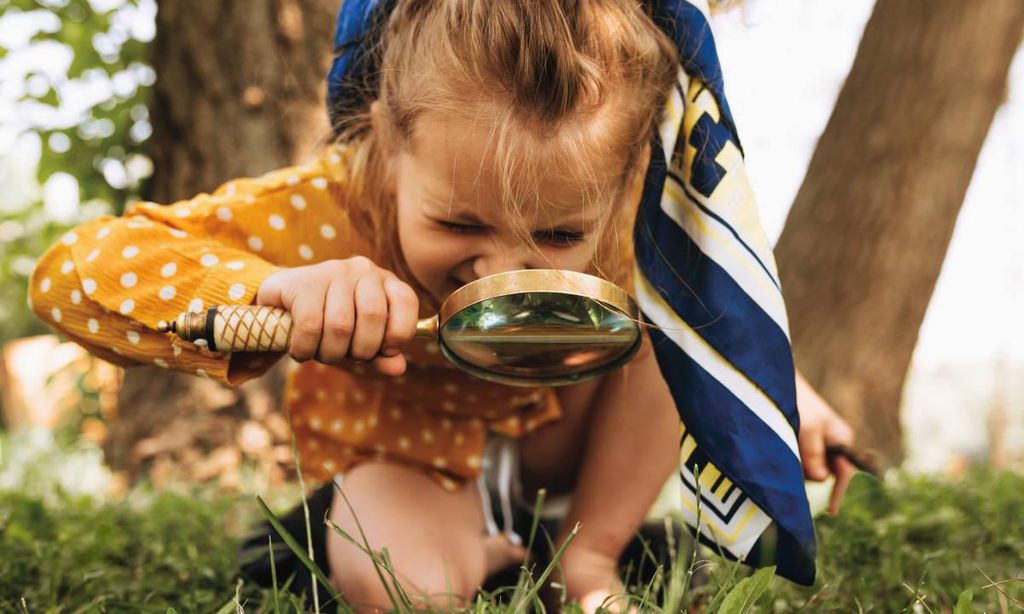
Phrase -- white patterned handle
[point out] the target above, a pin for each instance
(234, 328)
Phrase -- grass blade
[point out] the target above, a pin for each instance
(318, 574)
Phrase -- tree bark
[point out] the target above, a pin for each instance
(868, 231)
(240, 91)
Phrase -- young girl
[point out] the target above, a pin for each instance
(502, 136)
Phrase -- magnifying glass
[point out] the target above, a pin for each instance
(538, 327)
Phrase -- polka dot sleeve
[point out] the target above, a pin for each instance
(108, 282)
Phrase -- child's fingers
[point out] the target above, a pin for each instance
(371, 317)
(392, 366)
(307, 322)
(812, 452)
(269, 292)
(339, 321)
(403, 311)
(844, 471)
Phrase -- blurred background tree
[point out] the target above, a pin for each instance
(242, 102)
(867, 234)
(74, 84)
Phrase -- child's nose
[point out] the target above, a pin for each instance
(500, 261)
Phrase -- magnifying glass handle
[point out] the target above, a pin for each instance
(249, 328)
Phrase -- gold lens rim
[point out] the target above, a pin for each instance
(539, 280)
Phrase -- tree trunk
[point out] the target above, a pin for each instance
(868, 231)
(240, 91)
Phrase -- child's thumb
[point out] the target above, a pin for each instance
(390, 365)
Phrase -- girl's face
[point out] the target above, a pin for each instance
(452, 227)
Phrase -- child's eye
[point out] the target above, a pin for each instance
(460, 228)
(559, 238)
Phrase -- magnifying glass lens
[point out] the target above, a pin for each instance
(539, 337)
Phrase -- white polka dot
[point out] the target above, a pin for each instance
(103, 232)
(334, 158)
(67, 267)
(177, 351)
(69, 238)
(168, 269)
(358, 396)
(298, 202)
(76, 297)
(127, 306)
(129, 279)
(305, 252)
(276, 222)
(180, 234)
(330, 466)
(93, 255)
(315, 423)
(293, 180)
(319, 183)
(236, 292)
(130, 252)
(255, 243)
(327, 231)
(202, 373)
(56, 314)
(195, 305)
(427, 435)
(160, 362)
(459, 438)
(209, 260)
(448, 406)
(182, 212)
(89, 285)
(336, 426)
(403, 443)
(93, 326)
(473, 462)
(439, 462)
(133, 337)
(44, 285)
(235, 265)
(224, 214)
(167, 292)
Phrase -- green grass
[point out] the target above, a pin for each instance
(914, 544)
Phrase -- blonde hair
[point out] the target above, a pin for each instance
(591, 75)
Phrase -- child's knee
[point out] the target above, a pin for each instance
(427, 586)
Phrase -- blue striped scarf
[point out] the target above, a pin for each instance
(706, 281)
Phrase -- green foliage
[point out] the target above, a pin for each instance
(915, 544)
(170, 551)
(84, 109)
(918, 539)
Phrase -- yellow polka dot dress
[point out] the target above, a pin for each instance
(107, 283)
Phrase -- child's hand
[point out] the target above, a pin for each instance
(345, 309)
(821, 426)
(592, 579)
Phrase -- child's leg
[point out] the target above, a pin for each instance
(436, 540)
